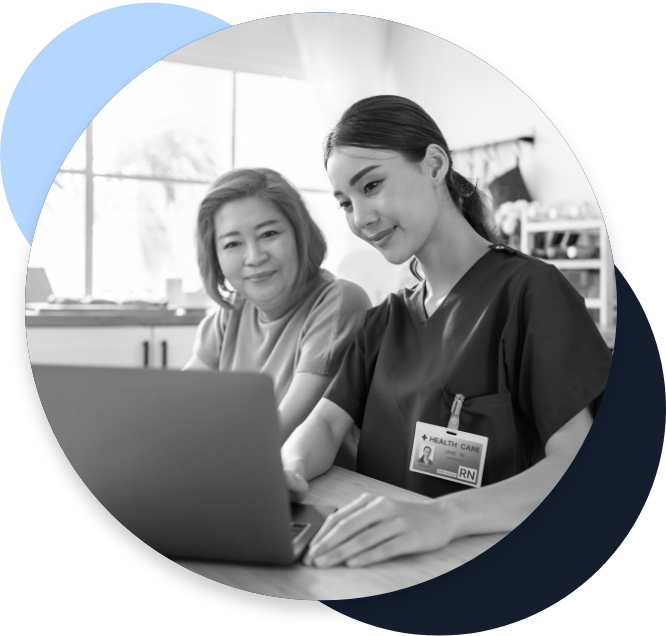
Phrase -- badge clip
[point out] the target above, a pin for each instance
(456, 407)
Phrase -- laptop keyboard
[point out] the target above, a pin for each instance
(297, 529)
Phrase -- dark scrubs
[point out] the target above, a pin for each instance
(513, 336)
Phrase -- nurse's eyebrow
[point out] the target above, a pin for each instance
(256, 227)
(354, 180)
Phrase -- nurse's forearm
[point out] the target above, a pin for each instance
(504, 505)
(312, 447)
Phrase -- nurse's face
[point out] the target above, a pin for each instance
(389, 202)
(256, 249)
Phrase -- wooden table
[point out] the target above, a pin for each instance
(338, 487)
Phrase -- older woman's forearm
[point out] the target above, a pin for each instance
(312, 447)
(304, 394)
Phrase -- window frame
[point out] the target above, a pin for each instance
(89, 175)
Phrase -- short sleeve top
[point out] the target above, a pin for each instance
(513, 336)
(311, 337)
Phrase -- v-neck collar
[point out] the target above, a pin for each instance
(418, 297)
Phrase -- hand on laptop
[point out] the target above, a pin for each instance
(373, 529)
(296, 483)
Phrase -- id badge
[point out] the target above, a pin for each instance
(449, 454)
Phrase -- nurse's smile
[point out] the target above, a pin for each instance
(382, 238)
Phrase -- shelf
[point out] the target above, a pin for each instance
(574, 263)
(563, 225)
(602, 267)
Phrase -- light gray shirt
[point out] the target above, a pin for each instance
(311, 337)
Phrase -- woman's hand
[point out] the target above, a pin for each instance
(373, 529)
(296, 483)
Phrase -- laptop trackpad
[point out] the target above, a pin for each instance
(306, 520)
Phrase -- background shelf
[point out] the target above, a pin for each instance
(560, 225)
(575, 263)
(602, 307)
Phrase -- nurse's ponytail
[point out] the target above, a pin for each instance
(472, 203)
(389, 122)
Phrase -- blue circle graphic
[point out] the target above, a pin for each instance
(71, 80)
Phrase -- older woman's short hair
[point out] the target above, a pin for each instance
(270, 186)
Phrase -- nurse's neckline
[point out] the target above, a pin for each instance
(493, 247)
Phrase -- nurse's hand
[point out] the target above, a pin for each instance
(296, 483)
(372, 529)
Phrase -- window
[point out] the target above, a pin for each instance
(119, 219)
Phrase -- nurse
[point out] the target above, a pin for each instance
(260, 256)
(491, 340)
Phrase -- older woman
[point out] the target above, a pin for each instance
(259, 255)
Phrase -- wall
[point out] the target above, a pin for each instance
(472, 102)
(475, 104)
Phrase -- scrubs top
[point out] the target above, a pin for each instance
(513, 336)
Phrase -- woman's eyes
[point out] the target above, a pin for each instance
(264, 235)
(368, 188)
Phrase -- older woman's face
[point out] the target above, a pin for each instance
(257, 252)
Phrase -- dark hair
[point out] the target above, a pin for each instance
(274, 188)
(389, 122)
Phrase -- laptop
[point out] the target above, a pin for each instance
(187, 461)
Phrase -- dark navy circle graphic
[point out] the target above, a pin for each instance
(577, 527)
